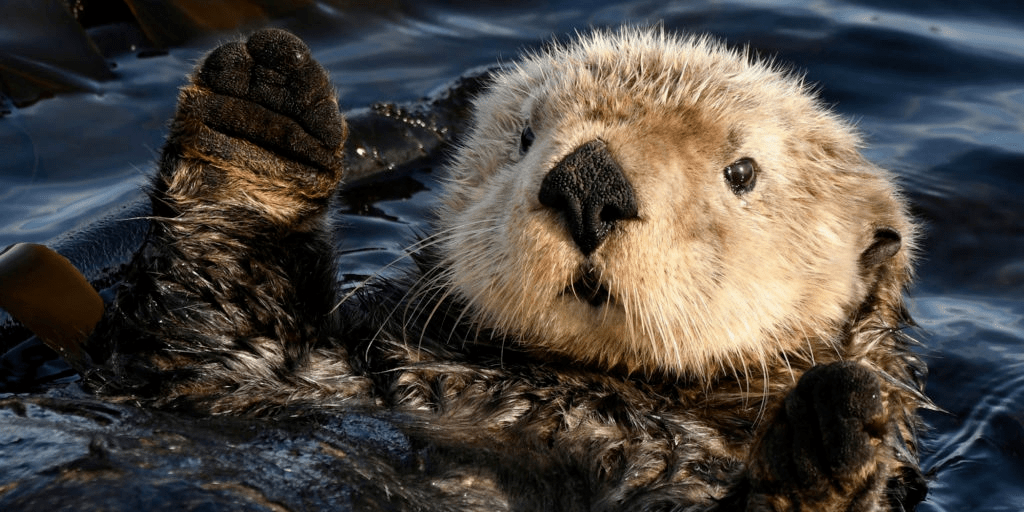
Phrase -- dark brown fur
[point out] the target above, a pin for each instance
(230, 308)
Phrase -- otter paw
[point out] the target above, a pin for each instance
(823, 444)
(268, 94)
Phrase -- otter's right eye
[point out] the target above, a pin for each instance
(741, 175)
(526, 140)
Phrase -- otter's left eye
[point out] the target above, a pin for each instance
(526, 140)
(741, 175)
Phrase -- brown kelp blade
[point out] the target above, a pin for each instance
(47, 294)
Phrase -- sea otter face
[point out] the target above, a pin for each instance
(660, 204)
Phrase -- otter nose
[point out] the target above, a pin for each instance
(589, 189)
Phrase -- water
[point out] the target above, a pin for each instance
(937, 87)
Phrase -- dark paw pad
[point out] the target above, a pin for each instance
(828, 430)
(271, 92)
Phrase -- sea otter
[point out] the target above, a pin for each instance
(662, 277)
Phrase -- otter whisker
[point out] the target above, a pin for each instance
(420, 245)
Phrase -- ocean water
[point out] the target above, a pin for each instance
(937, 87)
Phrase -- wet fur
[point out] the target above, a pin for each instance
(792, 389)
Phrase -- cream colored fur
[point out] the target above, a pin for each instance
(705, 280)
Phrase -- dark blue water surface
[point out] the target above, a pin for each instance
(936, 86)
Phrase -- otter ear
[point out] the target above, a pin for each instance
(887, 253)
(887, 242)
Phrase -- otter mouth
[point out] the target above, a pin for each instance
(589, 288)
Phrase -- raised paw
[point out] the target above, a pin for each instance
(259, 122)
(822, 451)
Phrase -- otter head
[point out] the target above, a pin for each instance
(664, 204)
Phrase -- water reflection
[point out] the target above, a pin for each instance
(977, 379)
